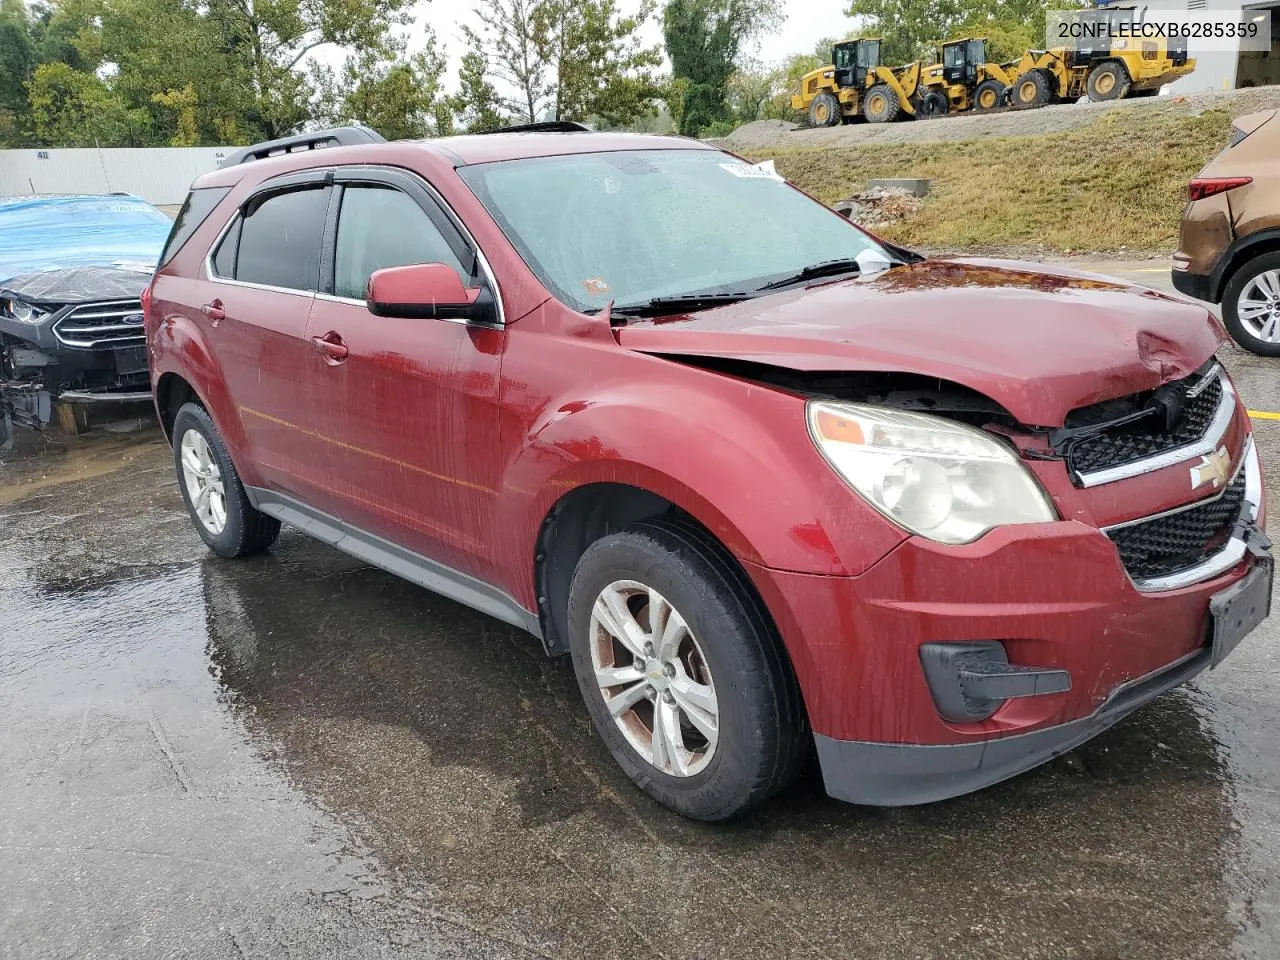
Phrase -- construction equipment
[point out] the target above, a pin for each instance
(963, 80)
(1103, 67)
(855, 85)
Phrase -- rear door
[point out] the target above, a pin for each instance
(412, 410)
(263, 276)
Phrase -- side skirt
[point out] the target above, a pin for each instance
(406, 564)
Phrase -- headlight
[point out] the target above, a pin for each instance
(24, 312)
(935, 477)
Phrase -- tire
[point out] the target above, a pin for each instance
(989, 95)
(880, 105)
(1255, 283)
(824, 111)
(1109, 80)
(1032, 89)
(243, 530)
(933, 105)
(730, 646)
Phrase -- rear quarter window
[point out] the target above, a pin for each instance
(195, 210)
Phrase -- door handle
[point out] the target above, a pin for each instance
(331, 347)
(214, 312)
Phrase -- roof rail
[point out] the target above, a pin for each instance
(318, 139)
(545, 126)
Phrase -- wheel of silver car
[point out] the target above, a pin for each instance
(654, 678)
(682, 670)
(204, 482)
(1251, 305)
(211, 488)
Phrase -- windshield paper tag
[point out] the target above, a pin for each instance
(753, 171)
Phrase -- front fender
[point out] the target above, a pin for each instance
(735, 456)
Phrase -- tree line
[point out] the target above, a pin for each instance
(77, 73)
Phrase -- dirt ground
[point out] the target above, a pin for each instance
(775, 134)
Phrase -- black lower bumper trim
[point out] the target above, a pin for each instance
(1192, 284)
(904, 774)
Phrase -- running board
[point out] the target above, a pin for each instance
(406, 564)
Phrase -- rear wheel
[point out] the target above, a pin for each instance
(881, 104)
(1108, 81)
(211, 489)
(1032, 89)
(824, 111)
(1251, 305)
(990, 95)
(682, 671)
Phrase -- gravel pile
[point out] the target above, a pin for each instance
(876, 209)
(775, 134)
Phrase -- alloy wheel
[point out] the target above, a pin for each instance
(203, 478)
(654, 678)
(1258, 306)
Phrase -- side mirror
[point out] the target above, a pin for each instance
(427, 290)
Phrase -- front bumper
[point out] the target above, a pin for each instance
(1055, 595)
(902, 774)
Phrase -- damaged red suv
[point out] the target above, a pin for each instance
(771, 483)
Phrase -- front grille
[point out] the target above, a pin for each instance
(1118, 446)
(1177, 541)
(114, 323)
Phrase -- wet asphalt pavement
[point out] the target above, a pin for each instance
(300, 756)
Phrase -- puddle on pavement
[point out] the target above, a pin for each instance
(296, 749)
(39, 461)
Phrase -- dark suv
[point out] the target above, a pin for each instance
(771, 483)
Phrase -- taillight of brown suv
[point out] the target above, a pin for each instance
(1229, 248)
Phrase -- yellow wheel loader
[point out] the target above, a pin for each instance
(963, 80)
(1099, 66)
(855, 85)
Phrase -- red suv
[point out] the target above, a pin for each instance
(771, 483)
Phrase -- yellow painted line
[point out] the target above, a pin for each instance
(1263, 415)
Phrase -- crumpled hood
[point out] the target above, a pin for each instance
(76, 285)
(1039, 340)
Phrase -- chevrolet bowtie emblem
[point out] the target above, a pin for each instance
(1212, 468)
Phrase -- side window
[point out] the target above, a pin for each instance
(280, 240)
(224, 259)
(381, 227)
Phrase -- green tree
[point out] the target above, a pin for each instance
(273, 37)
(71, 108)
(704, 40)
(570, 59)
(600, 68)
(477, 103)
(401, 97)
(17, 64)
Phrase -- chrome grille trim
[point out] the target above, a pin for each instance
(90, 325)
(1205, 445)
(1228, 556)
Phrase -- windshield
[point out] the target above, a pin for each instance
(629, 227)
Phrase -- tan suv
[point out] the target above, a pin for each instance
(1229, 250)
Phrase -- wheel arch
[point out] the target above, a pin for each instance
(1240, 253)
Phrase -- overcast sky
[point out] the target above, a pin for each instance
(808, 21)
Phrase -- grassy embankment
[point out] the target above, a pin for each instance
(1118, 182)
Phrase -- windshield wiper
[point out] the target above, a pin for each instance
(685, 303)
(827, 268)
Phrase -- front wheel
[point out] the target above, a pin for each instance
(881, 104)
(682, 672)
(990, 95)
(211, 489)
(1108, 81)
(1251, 305)
(1032, 89)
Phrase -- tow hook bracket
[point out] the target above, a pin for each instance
(1255, 539)
(970, 681)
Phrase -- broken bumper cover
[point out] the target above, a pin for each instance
(1054, 596)
(903, 774)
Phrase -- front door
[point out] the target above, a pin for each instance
(411, 404)
(263, 277)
